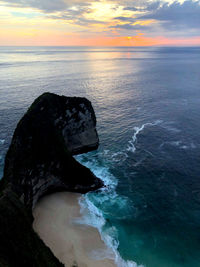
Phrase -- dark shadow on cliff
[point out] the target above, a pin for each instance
(39, 161)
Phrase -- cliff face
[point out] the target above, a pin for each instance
(39, 161)
(20, 245)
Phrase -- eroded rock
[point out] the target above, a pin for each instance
(39, 160)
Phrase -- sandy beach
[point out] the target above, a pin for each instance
(74, 244)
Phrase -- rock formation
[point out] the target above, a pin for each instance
(20, 245)
(39, 161)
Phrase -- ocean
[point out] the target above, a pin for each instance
(147, 104)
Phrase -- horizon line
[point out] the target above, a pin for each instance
(100, 46)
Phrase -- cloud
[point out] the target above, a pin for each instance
(176, 15)
(124, 18)
(131, 8)
(152, 17)
(153, 6)
(145, 6)
(44, 5)
(47, 6)
(129, 26)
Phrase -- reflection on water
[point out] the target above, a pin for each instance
(147, 103)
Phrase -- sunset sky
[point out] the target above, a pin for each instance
(96, 23)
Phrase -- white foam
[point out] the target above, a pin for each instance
(2, 141)
(119, 156)
(116, 157)
(131, 146)
(100, 254)
(93, 216)
(102, 172)
(180, 144)
(106, 151)
(175, 143)
(188, 146)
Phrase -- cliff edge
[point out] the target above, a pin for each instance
(39, 161)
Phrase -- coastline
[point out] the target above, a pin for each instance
(56, 219)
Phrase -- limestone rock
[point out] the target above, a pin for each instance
(39, 160)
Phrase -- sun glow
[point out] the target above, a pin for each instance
(87, 23)
(105, 11)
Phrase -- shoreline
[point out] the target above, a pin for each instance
(74, 244)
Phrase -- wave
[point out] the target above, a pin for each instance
(119, 157)
(188, 146)
(169, 126)
(96, 208)
(180, 144)
(53, 61)
(2, 141)
(131, 146)
(113, 157)
(35, 62)
(94, 215)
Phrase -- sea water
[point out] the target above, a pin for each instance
(147, 104)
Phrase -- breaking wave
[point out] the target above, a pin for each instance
(94, 215)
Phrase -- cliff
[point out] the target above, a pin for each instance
(39, 161)
(20, 245)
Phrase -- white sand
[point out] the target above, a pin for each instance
(72, 243)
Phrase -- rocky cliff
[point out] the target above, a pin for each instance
(39, 161)
(20, 245)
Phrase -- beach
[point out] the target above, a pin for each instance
(56, 220)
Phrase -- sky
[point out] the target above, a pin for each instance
(100, 23)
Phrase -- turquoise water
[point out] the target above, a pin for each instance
(147, 103)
